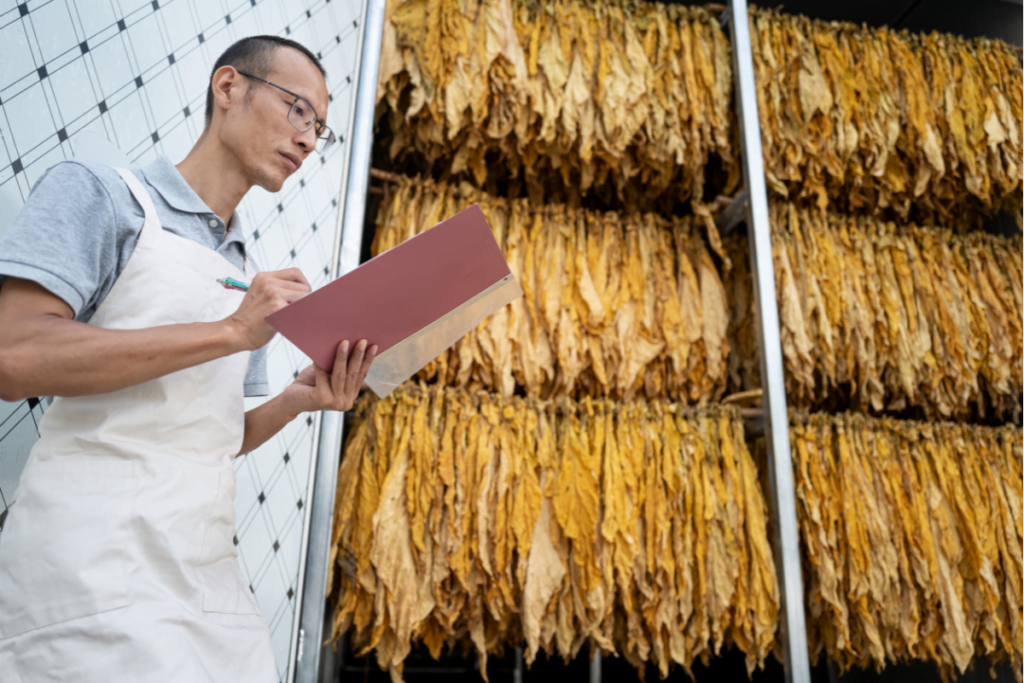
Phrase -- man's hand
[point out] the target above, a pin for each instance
(314, 389)
(268, 293)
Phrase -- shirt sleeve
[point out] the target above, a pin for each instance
(256, 380)
(65, 237)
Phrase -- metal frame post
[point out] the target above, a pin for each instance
(355, 185)
(792, 630)
(595, 665)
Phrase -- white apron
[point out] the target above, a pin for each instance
(117, 561)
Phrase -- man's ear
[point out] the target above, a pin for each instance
(227, 87)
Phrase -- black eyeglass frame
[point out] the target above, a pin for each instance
(328, 138)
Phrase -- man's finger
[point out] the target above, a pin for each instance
(355, 363)
(340, 371)
(292, 296)
(287, 285)
(371, 353)
(291, 274)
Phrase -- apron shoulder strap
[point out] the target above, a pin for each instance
(142, 197)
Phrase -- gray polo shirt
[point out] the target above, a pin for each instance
(80, 225)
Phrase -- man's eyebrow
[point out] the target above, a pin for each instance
(287, 89)
(296, 92)
(310, 103)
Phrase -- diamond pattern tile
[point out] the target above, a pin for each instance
(123, 81)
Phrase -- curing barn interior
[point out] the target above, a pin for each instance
(758, 413)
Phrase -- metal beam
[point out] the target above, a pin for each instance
(734, 214)
(355, 184)
(792, 630)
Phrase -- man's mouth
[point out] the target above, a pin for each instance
(292, 161)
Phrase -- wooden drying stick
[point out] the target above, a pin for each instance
(388, 177)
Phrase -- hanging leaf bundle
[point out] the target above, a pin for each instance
(871, 119)
(469, 520)
(614, 304)
(565, 93)
(744, 360)
(912, 538)
(898, 317)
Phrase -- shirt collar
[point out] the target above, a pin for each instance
(235, 230)
(163, 176)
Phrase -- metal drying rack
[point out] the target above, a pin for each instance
(750, 206)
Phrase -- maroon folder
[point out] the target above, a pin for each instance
(413, 301)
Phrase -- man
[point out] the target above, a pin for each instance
(117, 561)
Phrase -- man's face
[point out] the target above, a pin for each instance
(269, 148)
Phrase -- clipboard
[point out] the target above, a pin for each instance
(413, 301)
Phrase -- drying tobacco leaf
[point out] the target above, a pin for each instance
(924, 127)
(897, 317)
(636, 527)
(912, 536)
(615, 305)
(633, 97)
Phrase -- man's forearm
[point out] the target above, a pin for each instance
(265, 421)
(53, 356)
(44, 352)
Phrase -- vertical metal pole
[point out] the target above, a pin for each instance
(595, 666)
(787, 542)
(355, 184)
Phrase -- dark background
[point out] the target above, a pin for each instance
(968, 18)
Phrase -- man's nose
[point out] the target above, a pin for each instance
(307, 140)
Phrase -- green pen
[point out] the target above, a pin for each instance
(232, 283)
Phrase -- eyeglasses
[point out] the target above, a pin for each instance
(302, 116)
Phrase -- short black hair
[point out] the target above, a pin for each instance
(253, 54)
